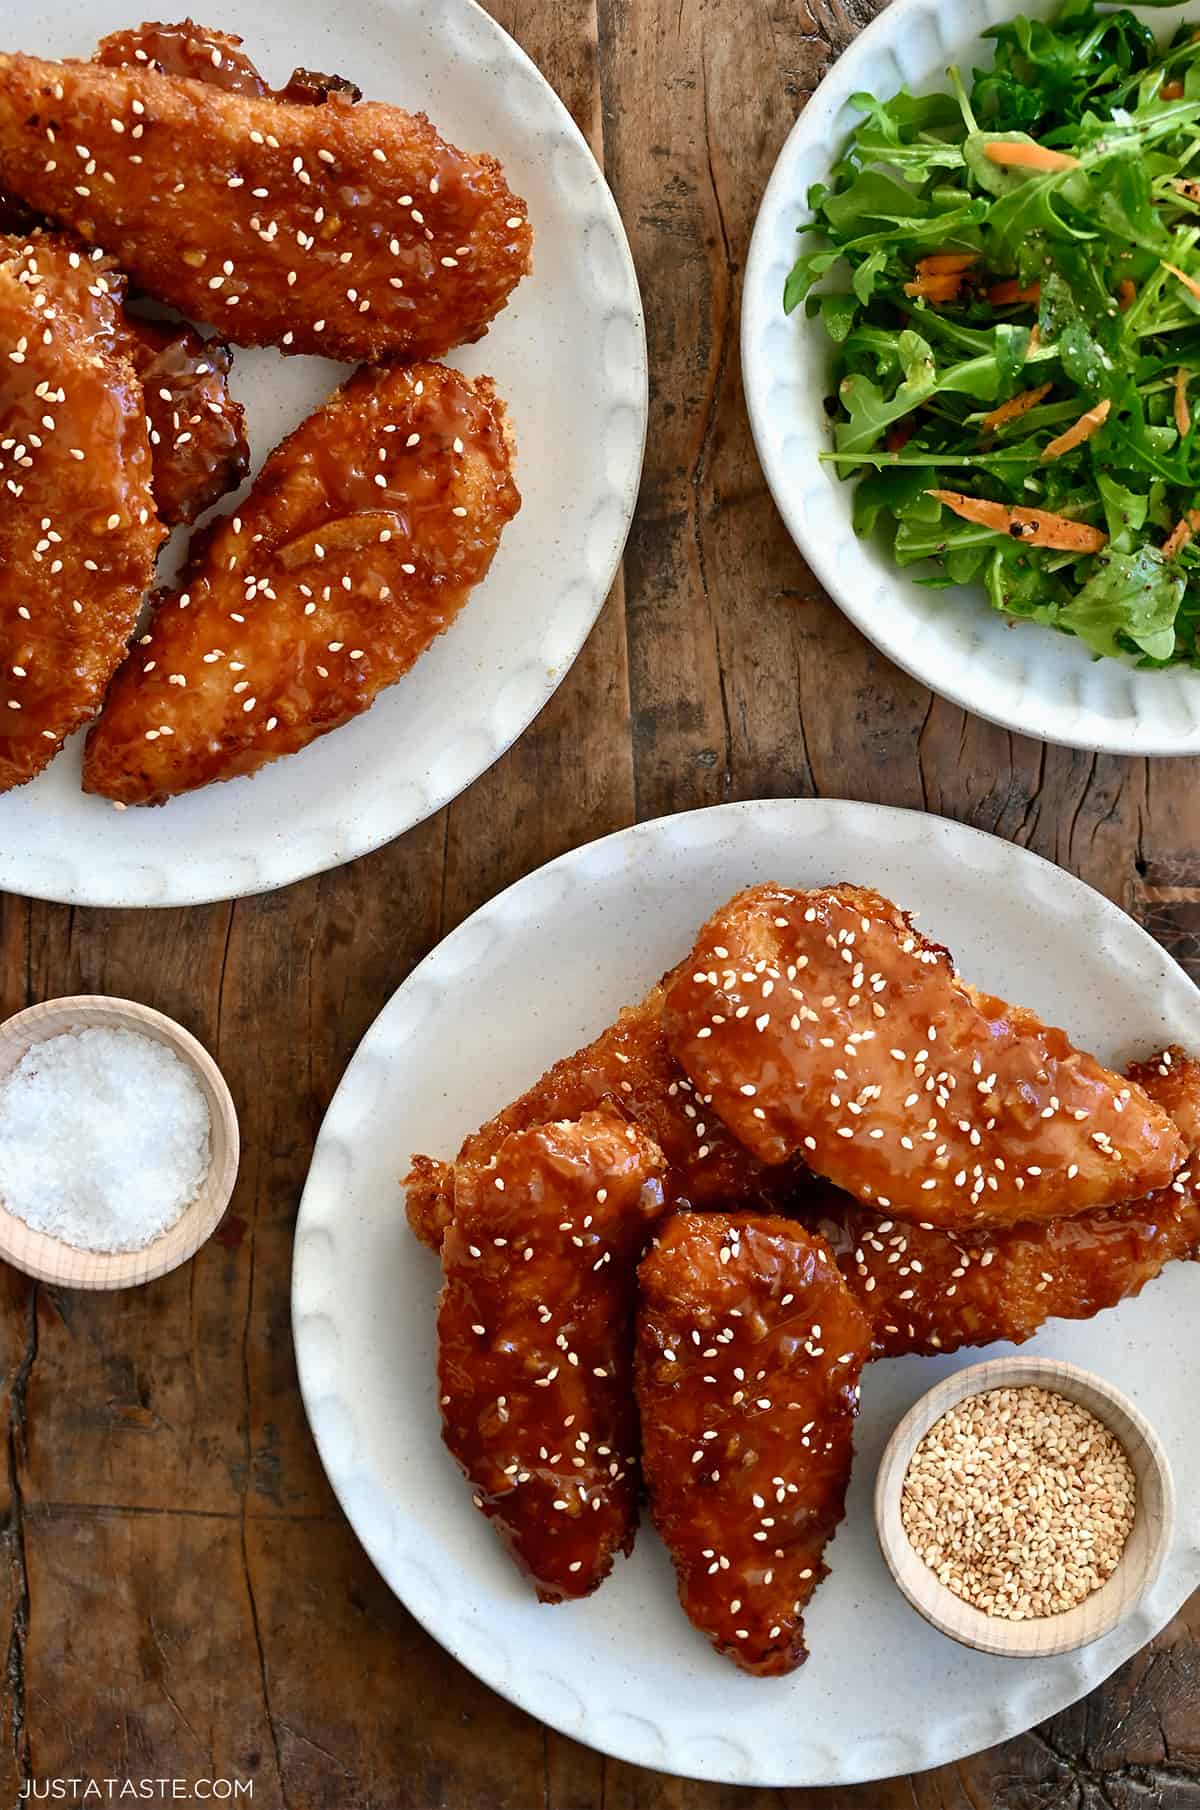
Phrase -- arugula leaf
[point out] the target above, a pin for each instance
(806, 271)
(905, 115)
(873, 195)
(1132, 595)
(839, 313)
(870, 411)
(920, 538)
(1124, 512)
(1082, 250)
(865, 276)
(897, 493)
(1041, 72)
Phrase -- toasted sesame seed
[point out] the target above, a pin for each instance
(1020, 1501)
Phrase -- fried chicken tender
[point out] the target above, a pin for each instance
(198, 446)
(535, 1343)
(360, 542)
(822, 1025)
(78, 529)
(749, 1350)
(350, 231)
(197, 430)
(208, 55)
(627, 1067)
(930, 1291)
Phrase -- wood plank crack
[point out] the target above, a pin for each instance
(15, 1533)
(708, 431)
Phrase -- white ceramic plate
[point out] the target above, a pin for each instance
(1020, 675)
(568, 355)
(527, 979)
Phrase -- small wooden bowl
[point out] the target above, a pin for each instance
(1147, 1546)
(50, 1259)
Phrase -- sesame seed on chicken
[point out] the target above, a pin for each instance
(822, 1025)
(352, 552)
(349, 230)
(535, 1343)
(78, 528)
(749, 1351)
(629, 1068)
(927, 1290)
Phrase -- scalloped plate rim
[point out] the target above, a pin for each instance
(35, 868)
(1027, 713)
(605, 857)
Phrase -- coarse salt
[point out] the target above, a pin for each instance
(104, 1139)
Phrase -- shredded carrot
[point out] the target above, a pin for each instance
(1035, 340)
(1028, 157)
(1171, 91)
(1002, 295)
(1187, 281)
(1187, 187)
(1126, 294)
(1183, 414)
(1088, 423)
(942, 263)
(1015, 406)
(936, 288)
(1181, 533)
(1036, 527)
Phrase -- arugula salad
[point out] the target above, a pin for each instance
(1010, 274)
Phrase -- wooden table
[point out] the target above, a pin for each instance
(184, 1598)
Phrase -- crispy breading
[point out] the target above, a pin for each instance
(535, 1343)
(628, 1066)
(359, 543)
(822, 1025)
(197, 430)
(749, 1351)
(198, 447)
(348, 230)
(78, 529)
(929, 1291)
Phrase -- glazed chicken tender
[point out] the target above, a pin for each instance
(78, 529)
(822, 1025)
(535, 1343)
(930, 1291)
(629, 1067)
(198, 440)
(749, 1351)
(360, 542)
(348, 230)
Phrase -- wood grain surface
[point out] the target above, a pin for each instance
(182, 1595)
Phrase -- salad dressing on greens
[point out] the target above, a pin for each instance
(1016, 314)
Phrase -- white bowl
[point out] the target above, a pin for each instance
(1021, 675)
(51, 1259)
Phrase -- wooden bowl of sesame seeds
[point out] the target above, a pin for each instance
(1018, 1501)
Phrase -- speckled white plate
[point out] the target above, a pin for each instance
(1020, 675)
(568, 356)
(529, 978)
